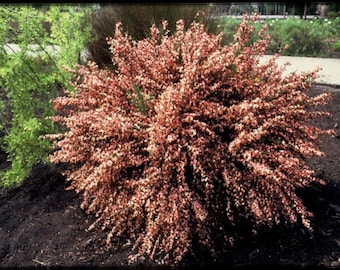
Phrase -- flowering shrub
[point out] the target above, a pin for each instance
(185, 138)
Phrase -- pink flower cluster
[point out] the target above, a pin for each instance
(185, 137)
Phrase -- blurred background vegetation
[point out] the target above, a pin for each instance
(312, 29)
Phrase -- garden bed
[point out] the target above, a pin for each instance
(41, 223)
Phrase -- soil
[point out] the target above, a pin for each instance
(42, 224)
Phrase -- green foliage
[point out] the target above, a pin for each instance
(25, 148)
(35, 45)
(70, 29)
(138, 100)
(332, 14)
(3, 115)
(304, 37)
(230, 25)
(337, 46)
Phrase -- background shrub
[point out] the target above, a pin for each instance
(310, 38)
(337, 46)
(230, 26)
(304, 38)
(188, 140)
(137, 20)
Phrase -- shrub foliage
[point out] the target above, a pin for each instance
(186, 138)
(31, 77)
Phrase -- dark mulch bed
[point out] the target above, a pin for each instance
(41, 223)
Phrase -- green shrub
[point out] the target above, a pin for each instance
(332, 14)
(31, 76)
(336, 46)
(303, 37)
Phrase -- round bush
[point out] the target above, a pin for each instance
(185, 139)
